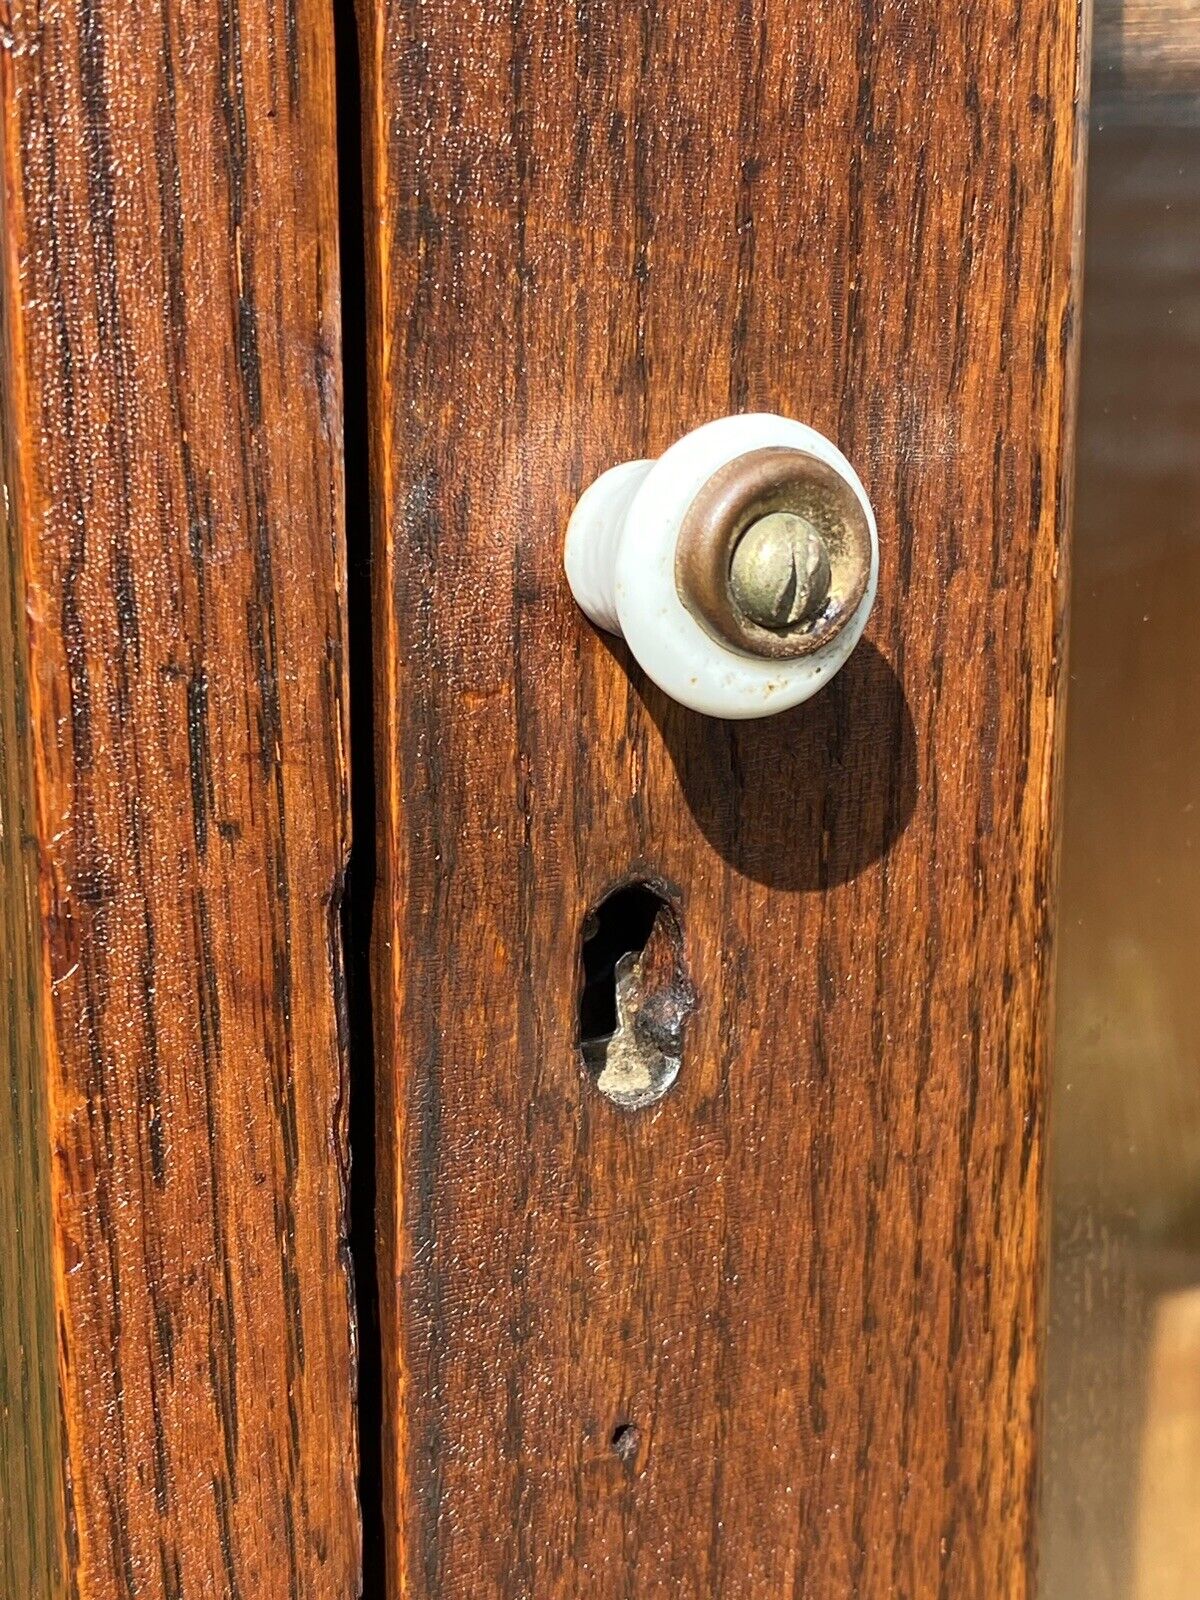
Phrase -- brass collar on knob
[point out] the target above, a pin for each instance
(774, 554)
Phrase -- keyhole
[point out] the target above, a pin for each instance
(636, 994)
(619, 926)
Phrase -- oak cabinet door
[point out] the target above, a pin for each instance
(665, 1215)
(775, 1333)
(176, 1350)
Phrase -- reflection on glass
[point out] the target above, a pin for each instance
(1121, 1488)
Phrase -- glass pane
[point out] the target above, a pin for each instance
(1121, 1492)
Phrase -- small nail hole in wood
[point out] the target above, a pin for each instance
(625, 1440)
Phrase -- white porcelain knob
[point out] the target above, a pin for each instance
(740, 567)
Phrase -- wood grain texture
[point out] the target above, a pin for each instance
(174, 681)
(808, 1279)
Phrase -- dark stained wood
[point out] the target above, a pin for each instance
(777, 1335)
(178, 1357)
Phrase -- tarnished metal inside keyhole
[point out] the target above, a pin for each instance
(636, 995)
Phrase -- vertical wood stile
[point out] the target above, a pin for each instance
(176, 1344)
(808, 1280)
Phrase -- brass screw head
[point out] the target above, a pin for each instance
(780, 573)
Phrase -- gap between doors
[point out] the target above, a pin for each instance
(359, 891)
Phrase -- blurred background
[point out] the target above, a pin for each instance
(1121, 1461)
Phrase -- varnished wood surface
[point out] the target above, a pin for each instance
(777, 1335)
(177, 1344)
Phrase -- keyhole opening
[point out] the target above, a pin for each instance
(635, 995)
(619, 926)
